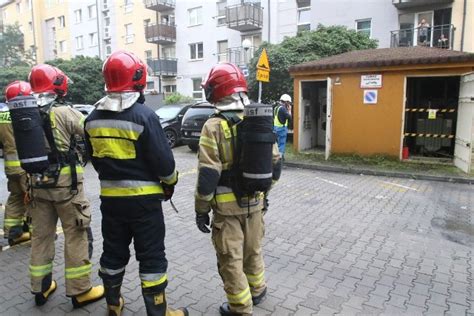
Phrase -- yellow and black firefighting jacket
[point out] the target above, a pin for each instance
(216, 150)
(130, 152)
(12, 162)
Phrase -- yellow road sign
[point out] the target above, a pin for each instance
(262, 63)
(263, 75)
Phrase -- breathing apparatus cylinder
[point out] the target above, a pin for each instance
(257, 139)
(29, 134)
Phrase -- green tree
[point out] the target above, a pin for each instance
(12, 48)
(305, 46)
(9, 74)
(86, 74)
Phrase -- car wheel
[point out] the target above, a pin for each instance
(193, 147)
(172, 137)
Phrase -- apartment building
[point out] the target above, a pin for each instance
(181, 39)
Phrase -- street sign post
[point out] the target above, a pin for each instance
(263, 72)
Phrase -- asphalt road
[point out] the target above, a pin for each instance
(334, 244)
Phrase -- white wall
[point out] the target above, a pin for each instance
(345, 12)
(83, 29)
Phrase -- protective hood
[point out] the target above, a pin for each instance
(43, 99)
(117, 101)
(236, 101)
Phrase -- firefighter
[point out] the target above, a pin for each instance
(59, 193)
(282, 115)
(137, 172)
(16, 229)
(237, 226)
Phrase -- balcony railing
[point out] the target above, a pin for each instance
(237, 55)
(244, 17)
(160, 33)
(403, 4)
(164, 66)
(160, 5)
(441, 36)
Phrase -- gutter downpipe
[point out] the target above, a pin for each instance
(34, 32)
(463, 29)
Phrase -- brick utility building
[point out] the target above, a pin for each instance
(415, 101)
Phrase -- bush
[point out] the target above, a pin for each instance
(177, 97)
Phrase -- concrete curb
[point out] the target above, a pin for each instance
(369, 172)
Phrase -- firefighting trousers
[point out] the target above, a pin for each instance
(74, 213)
(238, 243)
(140, 219)
(281, 133)
(16, 211)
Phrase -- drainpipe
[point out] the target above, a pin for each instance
(34, 33)
(269, 24)
(463, 24)
(98, 28)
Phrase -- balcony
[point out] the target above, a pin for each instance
(160, 33)
(167, 67)
(404, 4)
(237, 55)
(244, 17)
(160, 5)
(441, 36)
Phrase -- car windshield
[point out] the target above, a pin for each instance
(168, 112)
(194, 111)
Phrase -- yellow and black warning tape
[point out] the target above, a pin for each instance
(427, 110)
(429, 135)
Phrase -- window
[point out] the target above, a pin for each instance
(92, 11)
(78, 15)
(195, 16)
(169, 88)
(62, 22)
(221, 12)
(108, 50)
(196, 51)
(304, 15)
(197, 90)
(129, 35)
(168, 52)
(148, 54)
(62, 46)
(79, 42)
(93, 39)
(364, 26)
(128, 6)
(150, 85)
(222, 51)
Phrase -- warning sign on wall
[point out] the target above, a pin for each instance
(370, 96)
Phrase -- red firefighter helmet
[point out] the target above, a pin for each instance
(124, 72)
(17, 88)
(224, 79)
(48, 79)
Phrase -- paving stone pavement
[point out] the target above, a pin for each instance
(334, 244)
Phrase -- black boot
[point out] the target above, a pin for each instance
(257, 299)
(224, 310)
(155, 303)
(48, 286)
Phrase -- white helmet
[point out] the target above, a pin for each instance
(285, 98)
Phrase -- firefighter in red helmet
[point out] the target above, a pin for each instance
(237, 224)
(57, 191)
(15, 224)
(137, 172)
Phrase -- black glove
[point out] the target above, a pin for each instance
(168, 190)
(202, 222)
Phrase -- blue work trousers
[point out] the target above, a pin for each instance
(281, 133)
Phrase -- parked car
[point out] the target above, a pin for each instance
(85, 109)
(193, 121)
(170, 118)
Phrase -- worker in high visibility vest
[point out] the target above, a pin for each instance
(137, 172)
(15, 224)
(281, 118)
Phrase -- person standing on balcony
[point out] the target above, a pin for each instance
(423, 28)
